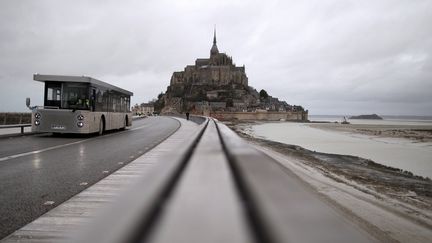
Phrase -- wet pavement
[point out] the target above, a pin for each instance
(39, 172)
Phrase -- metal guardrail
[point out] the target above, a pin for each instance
(15, 126)
(217, 188)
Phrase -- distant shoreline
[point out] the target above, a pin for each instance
(385, 117)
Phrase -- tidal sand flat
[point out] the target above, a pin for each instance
(406, 147)
(417, 132)
(331, 150)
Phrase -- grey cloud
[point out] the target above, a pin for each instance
(330, 56)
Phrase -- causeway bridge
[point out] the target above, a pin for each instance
(165, 179)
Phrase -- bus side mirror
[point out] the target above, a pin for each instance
(28, 102)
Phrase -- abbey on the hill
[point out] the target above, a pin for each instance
(216, 84)
(218, 70)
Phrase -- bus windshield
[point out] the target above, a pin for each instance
(75, 96)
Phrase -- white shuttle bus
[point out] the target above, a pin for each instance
(79, 104)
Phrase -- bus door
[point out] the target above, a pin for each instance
(52, 94)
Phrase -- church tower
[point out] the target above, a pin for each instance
(214, 50)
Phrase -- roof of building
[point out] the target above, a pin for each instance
(202, 61)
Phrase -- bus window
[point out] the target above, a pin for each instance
(106, 101)
(115, 102)
(75, 96)
(99, 101)
(122, 104)
(128, 104)
(93, 100)
(53, 94)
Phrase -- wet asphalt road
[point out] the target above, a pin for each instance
(41, 168)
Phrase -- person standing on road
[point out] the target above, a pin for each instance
(187, 115)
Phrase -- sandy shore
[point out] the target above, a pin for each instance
(418, 133)
(400, 194)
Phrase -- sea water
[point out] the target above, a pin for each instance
(404, 154)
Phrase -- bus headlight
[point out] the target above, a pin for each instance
(80, 124)
(37, 122)
(37, 115)
(80, 117)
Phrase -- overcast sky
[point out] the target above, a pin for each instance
(330, 56)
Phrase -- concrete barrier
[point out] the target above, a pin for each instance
(261, 116)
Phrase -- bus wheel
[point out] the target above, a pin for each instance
(101, 126)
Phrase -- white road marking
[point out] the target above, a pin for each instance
(40, 151)
(48, 203)
(62, 146)
(136, 128)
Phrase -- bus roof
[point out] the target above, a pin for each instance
(78, 79)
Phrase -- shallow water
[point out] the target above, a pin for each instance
(400, 153)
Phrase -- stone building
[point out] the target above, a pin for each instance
(143, 109)
(218, 70)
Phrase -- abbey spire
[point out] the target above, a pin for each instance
(214, 50)
(214, 37)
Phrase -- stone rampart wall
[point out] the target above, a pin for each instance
(261, 116)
